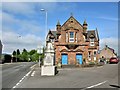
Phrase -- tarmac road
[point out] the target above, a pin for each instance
(13, 72)
(84, 78)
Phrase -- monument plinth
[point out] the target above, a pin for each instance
(48, 68)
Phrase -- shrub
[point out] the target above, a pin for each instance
(92, 63)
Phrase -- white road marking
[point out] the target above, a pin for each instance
(17, 84)
(33, 66)
(33, 73)
(14, 87)
(97, 84)
(28, 73)
(22, 79)
(100, 67)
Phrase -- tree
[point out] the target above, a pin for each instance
(24, 55)
(18, 52)
(35, 57)
(32, 52)
(24, 50)
(7, 58)
(14, 53)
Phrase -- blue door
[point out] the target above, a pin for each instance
(64, 59)
(79, 58)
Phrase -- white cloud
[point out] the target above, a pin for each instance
(109, 18)
(48, 6)
(18, 8)
(7, 18)
(12, 41)
(111, 42)
(29, 26)
(13, 27)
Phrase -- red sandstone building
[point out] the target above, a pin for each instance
(74, 43)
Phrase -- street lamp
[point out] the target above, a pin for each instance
(43, 10)
(16, 50)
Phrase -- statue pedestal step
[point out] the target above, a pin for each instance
(48, 70)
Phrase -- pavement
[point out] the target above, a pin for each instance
(85, 78)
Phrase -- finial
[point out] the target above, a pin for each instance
(71, 14)
(85, 22)
(58, 23)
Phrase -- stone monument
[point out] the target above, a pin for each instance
(48, 68)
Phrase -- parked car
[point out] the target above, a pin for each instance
(114, 60)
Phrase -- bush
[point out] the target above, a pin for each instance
(7, 58)
(92, 63)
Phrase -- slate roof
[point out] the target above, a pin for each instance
(92, 34)
(54, 33)
(106, 46)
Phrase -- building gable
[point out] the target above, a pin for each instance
(107, 52)
(72, 23)
(51, 35)
(92, 34)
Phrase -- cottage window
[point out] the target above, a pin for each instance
(71, 38)
(92, 42)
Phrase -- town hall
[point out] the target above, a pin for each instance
(74, 43)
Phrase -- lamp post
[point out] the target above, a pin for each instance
(16, 50)
(43, 10)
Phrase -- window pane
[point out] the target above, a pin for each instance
(91, 40)
(71, 35)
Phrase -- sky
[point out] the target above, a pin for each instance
(24, 24)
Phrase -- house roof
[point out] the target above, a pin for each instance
(54, 33)
(92, 34)
(106, 46)
(89, 34)
(74, 19)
